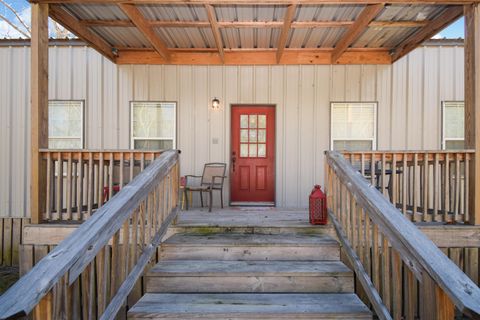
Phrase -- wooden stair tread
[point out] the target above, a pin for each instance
(222, 268)
(249, 306)
(222, 239)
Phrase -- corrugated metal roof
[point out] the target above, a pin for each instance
(123, 37)
(177, 12)
(249, 13)
(187, 37)
(328, 12)
(96, 11)
(373, 37)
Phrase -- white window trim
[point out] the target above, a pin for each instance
(444, 140)
(132, 138)
(82, 134)
(375, 125)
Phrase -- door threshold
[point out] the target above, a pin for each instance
(252, 204)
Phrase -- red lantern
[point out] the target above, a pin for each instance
(318, 206)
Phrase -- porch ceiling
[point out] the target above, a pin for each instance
(173, 32)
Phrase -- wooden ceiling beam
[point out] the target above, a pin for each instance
(212, 18)
(266, 2)
(254, 24)
(435, 26)
(142, 24)
(75, 26)
(356, 29)
(256, 57)
(287, 22)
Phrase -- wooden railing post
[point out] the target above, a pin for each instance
(472, 105)
(39, 109)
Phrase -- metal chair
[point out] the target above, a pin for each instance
(212, 179)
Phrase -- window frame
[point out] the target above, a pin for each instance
(82, 135)
(443, 139)
(375, 119)
(175, 125)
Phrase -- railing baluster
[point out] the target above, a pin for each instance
(384, 177)
(386, 272)
(416, 192)
(404, 184)
(446, 189)
(466, 216)
(425, 186)
(436, 188)
(90, 185)
(50, 175)
(457, 187)
(80, 187)
(397, 285)
(101, 184)
(110, 176)
(69, 186)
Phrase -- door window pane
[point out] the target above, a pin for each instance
(153, 125)
(253, 135)
(65, 124)
(243, 150)
(253, 121)
(262, 150)
(243, 135)
(262, 135)
(262, 121)
(243, 121)
(252, 151)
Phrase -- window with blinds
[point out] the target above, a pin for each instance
(453, 125)
(65, 124)
(353, 126)
(153, 125)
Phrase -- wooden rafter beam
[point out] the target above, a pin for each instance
(256, 2)
(287, 22)
(258, 57)
(356, 29)
(254, 24)
(142, 24)
(442, 21)
(212, 18)
(75, 26)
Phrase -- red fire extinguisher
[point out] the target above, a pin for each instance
(318, 206)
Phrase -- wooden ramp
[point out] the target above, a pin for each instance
(236, 275)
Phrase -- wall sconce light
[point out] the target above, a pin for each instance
(215, 104)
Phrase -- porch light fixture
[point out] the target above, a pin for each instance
(215, 104)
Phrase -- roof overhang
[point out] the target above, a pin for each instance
(253, 32)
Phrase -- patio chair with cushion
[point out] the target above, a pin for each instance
(212, 179)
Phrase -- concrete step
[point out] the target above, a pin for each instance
(230, 246)
(249, 306)
(249, 276)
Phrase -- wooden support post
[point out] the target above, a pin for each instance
(472, 106)
(39, 109)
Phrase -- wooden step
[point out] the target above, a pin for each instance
(229, 246)
(249, 306)
(249, 276)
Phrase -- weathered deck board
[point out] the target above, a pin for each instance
(250, 306)
(232, 246)
(250, 276)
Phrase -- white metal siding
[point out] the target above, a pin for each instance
(409, 95)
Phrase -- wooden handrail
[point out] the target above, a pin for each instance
(130, 226)
(367, 222)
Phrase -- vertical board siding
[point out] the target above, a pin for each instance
(409, 94)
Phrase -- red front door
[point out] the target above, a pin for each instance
(252, 167)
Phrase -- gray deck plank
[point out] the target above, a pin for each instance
(250, 306)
